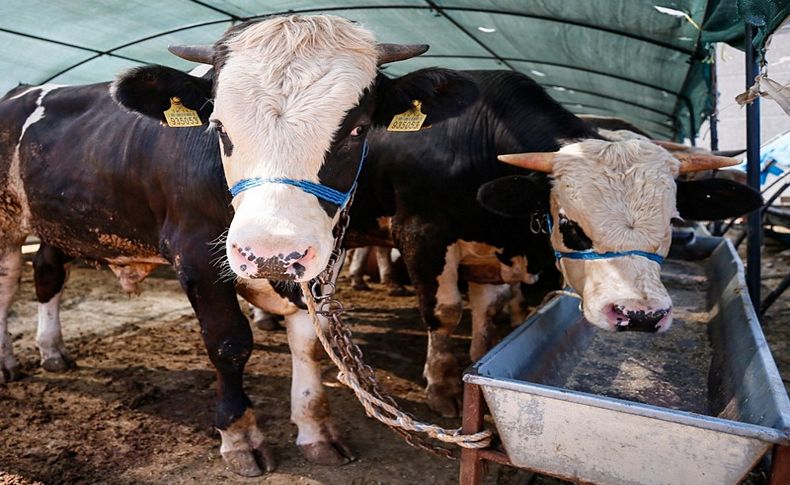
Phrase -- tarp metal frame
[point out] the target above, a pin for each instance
(671, 102)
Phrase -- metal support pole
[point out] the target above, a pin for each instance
(754, 242)
(714, 115)
(775, 294)
(717, 226)
(692, 136)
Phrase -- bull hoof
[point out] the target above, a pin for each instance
(442, 402)
(400, 291)
(248, 463)
(243, 447)
(8, 374)
(325, 453)
(360, 286)
(61, 363)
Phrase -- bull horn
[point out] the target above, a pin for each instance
(695, 162)
(399, 52)
(537, 161)
(671, 145)
(203, 54)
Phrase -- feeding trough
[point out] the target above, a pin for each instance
(699, 407)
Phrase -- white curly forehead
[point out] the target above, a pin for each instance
(287, 83)
(621, 193)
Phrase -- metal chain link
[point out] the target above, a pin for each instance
(359, 376)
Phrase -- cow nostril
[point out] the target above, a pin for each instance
(620, 317)
(645, 321)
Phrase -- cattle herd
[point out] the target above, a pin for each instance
(501, 187)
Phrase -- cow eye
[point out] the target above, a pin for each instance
(573, 236)
(357, 131)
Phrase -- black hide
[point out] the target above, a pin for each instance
(715, 199)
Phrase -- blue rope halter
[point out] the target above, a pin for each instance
(323, 192)
(589, 254)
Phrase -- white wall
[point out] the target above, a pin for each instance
(731, 76)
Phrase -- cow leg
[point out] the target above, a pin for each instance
(50, 275)
(386, 272)
(486, 301)
(432, 263)
(228, 338)
(517, 305)
(10, 271)
(318, 438)
(357, 268)
(441, 367)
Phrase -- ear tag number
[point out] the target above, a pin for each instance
(179, 116)
(410, 120)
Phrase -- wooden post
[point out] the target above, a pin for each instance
(780, 466)
(471, 464)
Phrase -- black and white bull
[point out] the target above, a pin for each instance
(290, 98)
(605, 195)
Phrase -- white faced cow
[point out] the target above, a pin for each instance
(290, 101)
(611, 203)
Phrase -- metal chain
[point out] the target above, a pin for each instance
(360, 377)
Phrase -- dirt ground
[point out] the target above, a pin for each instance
(139, 407)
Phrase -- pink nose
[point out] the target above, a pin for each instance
(640, 318)
(249, 261)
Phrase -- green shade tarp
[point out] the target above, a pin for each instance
(622, 58)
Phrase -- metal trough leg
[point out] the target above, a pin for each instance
(780, 467)
(774, 295)
(471, 463)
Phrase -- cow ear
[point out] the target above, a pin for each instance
(514, 196)
(444, 93)
(715, 199)
(147, 90)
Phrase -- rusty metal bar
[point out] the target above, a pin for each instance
(471, 461)
(780, 466)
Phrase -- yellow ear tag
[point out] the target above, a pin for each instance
(410, 120)
(179, 116)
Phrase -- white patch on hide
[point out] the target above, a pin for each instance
(48, 87)
(309, 405)
(486, 301)
(14, 173)
(49, 338)
(38, 113)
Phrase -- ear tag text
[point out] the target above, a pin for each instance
(179, 116)
(411, 120)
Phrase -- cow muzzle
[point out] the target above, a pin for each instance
(286, 264)
(279, 233)
(625, 294)
(638, 318)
